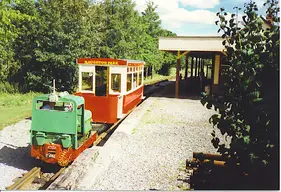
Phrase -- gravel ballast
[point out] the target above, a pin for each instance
(15, 157)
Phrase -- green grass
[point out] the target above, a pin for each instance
(157, 77)
(14, 107)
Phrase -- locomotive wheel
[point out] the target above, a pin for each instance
(64, 158)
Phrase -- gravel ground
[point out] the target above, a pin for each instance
(15, 157)
(151, 154)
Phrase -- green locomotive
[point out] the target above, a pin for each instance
(61, 128)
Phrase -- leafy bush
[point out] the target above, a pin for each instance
(248, 109)
(6, 87)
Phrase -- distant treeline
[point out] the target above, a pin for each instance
(40, 40)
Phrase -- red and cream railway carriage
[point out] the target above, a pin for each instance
(110, 87)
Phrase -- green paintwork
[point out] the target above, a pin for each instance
(60, 126)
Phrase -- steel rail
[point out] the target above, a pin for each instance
(26, 179)
(52, 179)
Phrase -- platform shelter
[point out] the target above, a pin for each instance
(199, 49)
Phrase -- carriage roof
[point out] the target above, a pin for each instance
(110, 61)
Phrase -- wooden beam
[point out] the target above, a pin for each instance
(182, 54)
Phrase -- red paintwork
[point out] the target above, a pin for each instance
(40, 152)
(132, 99)
(104, 109)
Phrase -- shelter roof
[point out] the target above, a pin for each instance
(192, 43)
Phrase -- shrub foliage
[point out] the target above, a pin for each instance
(248, 109)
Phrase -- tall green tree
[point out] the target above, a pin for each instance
(9, 17)
(122, 28)
(60, 34)
(248, 110)
(152, 24)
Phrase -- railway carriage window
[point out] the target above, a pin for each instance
(135, 80)
(87, 81)
(116, 82)
(140, 78)
(101, 81)
(129, 82)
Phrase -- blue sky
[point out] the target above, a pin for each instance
(194, 17)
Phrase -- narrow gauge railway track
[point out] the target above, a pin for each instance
(36, 178)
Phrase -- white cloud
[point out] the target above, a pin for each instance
(190, 17)
(174, 17)
(203, 4)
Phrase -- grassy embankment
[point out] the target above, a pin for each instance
(14, 107)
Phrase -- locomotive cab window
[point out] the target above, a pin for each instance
(116, 82)
(54, 106)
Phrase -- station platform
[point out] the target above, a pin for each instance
(148, 150)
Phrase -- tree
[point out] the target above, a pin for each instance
(152, 24)
(248, 112)
(8, 33)
(49, 46)
(122, 29)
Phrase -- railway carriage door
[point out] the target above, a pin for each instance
(120, 107)
(101, 78)
(116, 88)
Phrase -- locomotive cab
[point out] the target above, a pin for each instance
(60, 132)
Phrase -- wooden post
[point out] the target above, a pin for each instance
(192, 64)
(196, 63)
(207, 72)
(177, 74)
(186, 67)
(212, 73)
(201, 66)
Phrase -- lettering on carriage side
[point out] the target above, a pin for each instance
(102, 62)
